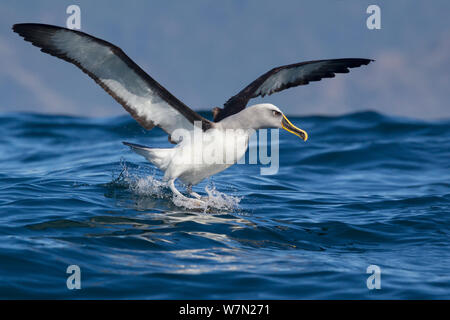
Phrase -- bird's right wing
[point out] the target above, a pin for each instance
(144, 98)
(285, 77)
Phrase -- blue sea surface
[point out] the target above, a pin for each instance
(365, 189)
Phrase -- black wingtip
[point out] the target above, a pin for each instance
(134, 145)
(16, 27)
(23, 27)
(360, 61)
(367, 61)
(31, 30)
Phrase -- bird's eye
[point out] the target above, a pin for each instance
(276, 113)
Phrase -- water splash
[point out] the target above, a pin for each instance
(151, 186)
(143, 186)
(214, 200)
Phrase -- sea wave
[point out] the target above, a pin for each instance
(365, 189)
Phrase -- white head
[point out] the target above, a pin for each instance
(266, 115)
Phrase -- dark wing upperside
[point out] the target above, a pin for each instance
(285, 77)
(143, 97)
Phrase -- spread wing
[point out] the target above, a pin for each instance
(285, 77)
(144, 98)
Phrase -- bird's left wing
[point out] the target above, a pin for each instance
(143, 97)
(285, 77)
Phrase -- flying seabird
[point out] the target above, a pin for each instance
(150, 104)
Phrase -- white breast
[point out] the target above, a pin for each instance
(198, 158)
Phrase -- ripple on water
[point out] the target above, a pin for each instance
(365, 189)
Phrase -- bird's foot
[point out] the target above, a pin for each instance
(196, 201)
(188, 202)
(195, 194)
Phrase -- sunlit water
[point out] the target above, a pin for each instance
(365, 189)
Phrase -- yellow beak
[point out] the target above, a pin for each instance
(288, 126)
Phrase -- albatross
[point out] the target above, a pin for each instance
(150, 104)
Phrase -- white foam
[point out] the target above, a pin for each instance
(151, 186)
(142, 186)
(214, 200)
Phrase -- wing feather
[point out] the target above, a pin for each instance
(285, 77)
(143, 97)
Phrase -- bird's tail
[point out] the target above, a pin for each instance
(159, 157)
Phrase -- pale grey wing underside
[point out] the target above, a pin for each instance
(285, 77)
(144, 98)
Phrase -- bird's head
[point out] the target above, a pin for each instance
(269, 116)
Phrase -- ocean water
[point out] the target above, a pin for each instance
(365, 189)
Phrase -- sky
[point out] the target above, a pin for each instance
(204, 52)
